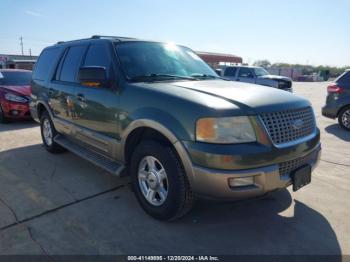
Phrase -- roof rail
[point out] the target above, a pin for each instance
(108, 36)
(97, 37)
(61, 42)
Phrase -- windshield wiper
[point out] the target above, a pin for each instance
(154, 77)
(204, 76)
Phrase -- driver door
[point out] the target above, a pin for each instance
(246, 75)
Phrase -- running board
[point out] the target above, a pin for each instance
(105, 163)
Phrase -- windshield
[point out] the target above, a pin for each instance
(15, 78)
(161, 60)
(260, 71)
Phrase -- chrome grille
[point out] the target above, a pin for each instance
(287, 167)
(290, 125)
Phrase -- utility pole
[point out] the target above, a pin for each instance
(30, 52)
(21, 43)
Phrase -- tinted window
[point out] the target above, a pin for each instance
(45, 63)
(245, 72)
(97, 55)
(148, 58)
(344, 78)
(71, 63)
(231, 71)
(15, 78)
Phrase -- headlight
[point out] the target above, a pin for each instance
(225, 130)
(15, 98)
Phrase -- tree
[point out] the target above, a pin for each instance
(262, 63)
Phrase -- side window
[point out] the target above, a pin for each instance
(71, 63)
(245, 72)
(45, 63)
(97, 55)
(230, 71)
(344, 79)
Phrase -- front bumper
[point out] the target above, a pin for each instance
(14, 110)
(214, 183)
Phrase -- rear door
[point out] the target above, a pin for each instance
(246, 75)
(230, 72)
(63, 86)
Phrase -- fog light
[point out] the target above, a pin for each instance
(14, 112)
(241, 181)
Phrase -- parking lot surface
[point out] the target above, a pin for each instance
(61, 204)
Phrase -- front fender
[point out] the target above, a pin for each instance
(161, 117)
(167, 126)
(267, 82)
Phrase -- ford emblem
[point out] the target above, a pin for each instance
(297, 124)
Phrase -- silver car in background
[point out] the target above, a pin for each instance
(255, 75)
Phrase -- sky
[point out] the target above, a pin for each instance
(314, 32)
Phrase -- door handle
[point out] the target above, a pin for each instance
(80, 97)
(51, 91)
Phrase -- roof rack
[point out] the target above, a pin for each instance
(108, 36)
(61, 42)
(98, 37)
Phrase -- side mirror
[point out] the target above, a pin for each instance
(93, 76)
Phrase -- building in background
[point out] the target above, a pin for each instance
(17, 61)
(216, 59)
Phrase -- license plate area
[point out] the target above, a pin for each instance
(301, 177)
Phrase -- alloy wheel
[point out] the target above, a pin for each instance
(345, 118)
(153, 180)
(47, 132)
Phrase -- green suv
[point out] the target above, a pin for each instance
(157, 112)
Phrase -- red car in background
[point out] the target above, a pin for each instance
(15, 93)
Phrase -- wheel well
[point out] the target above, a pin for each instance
(139, 134)
(40, 109)
(342, 109)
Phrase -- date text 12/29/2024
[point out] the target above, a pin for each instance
(173, 258)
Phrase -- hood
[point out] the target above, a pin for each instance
(22, 90)
(250, 97)
(275, 77)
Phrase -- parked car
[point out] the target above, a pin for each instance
(157, 112)
(338, 100)
(255, 75)
(14, 94)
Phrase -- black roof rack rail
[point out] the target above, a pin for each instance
(61, 42)
(108, 36)
(98, 37)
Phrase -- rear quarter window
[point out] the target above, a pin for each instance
(344, 78)
(45, 63)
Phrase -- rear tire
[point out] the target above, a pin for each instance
(156, 169)
(344, 118)
(48, 133)
(3, 119)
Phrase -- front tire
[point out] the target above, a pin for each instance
(344, 118)
(48, 133)
(159, 181)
